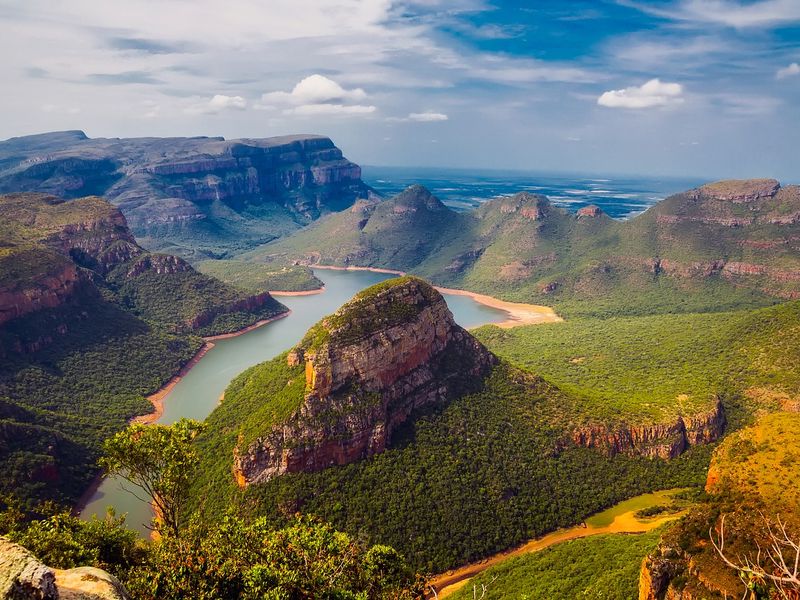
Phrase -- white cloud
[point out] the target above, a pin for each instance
(313, 110)
(731, 13)
(217, 104)
(428, 116)
(60, 109)
(421, 117)
(792, 69)
(317, 95)
(316, 89)
(652, 94)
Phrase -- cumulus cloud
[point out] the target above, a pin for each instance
(313, 110)
(421, 117)
(317, 95)
(652, 94)
(217, 104)
(792, 69)
(315, 89)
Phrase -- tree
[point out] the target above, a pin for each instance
(160, 460)
(778, 564)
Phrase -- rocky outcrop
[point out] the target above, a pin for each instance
(589, 211)
(656, 440)
(529, 206)
(166, 187)
(161, 264)
(23, 577)
(46, 291)
(391, 350)
(247, 304)
(737, 190)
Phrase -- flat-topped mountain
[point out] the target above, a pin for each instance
(723, 245)
(90, 323)
(194, 196)
(391, 350)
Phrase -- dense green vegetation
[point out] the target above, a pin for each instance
(260, 277)
(482, 474)
(234, 560)
(62, 401)
(352, 321)
(74, 374)
(654, 367)
(601, 567)
(667, 260)
(179, 298)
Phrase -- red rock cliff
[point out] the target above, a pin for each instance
(393, 349)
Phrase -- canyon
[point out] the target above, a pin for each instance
(198, 197)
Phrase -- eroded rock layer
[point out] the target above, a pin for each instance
(393, 349)
(662, 440)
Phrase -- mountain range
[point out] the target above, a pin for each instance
(196, 197)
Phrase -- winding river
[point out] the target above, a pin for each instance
(198, 392)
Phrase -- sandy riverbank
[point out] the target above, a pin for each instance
(452, 581)
(373, 269)
(157, 397)
(518, 313)
(302, 293)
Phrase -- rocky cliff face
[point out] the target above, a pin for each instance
(61, 251)
(23, 577)
(662, 440)
(393, 349)
(167, 187)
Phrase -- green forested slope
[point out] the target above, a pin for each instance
(723, 246)
(89, 325)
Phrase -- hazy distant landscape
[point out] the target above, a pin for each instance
(620, 197)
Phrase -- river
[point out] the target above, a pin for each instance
(196, 395)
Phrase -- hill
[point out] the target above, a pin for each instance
(394, 424)
(90, 323)
(196, 197)
(721, 246)
(750, 486)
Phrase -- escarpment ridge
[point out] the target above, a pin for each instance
(722, 245)
(391, 350)
(198, 196)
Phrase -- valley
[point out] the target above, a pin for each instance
(450, 440)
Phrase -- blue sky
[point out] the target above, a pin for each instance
(707, 88)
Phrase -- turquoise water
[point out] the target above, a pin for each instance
(621, 197)
(196, 395)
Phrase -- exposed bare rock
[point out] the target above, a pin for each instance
(737, 190)
(393, 349)
(168, 188)
(661, 440)
(531, 206)
(247, 304)
(47, 291)
(589, 211)
(161, 264)
(23, 577)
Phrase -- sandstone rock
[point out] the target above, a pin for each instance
(738, 190)
(589, 211)
(24, 577)
(166, 186)
(657, 440)
(393, 349)
(247, 304)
